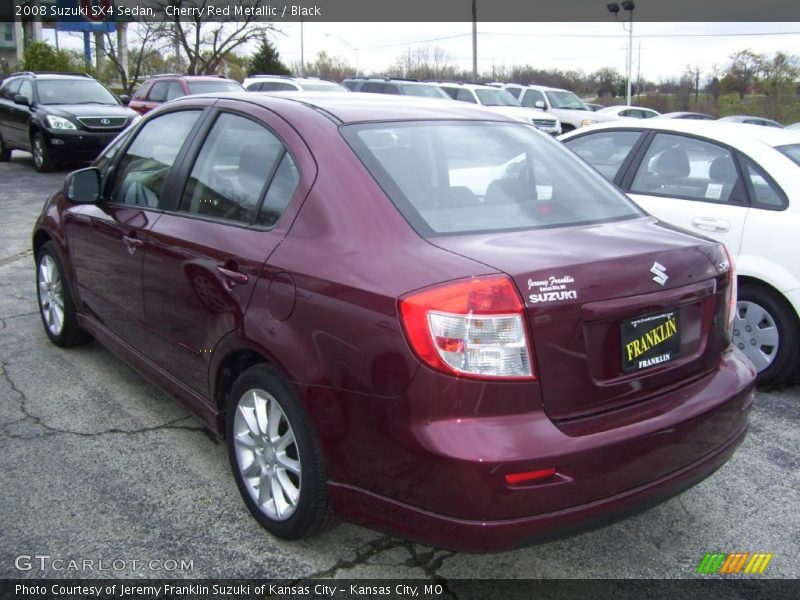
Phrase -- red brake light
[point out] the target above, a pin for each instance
(474, 327)
(528, 476)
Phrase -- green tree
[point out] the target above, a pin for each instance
(41, 56)
(266, 61)
(743, 70)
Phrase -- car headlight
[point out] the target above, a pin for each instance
(55, 122)
(587, 122)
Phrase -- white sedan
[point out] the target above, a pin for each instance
(736, 183)
(629, 112)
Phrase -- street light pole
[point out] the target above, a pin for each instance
(475, 40)
(613, 8)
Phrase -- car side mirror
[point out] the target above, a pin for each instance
(22, 100)
(125, 99)
(539, 104)
(83, 186)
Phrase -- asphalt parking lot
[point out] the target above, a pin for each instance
(97, 464)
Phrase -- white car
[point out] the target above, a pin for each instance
(629, 112)
(283, 83)
(565, 105)
(501, 102)
(735, 183)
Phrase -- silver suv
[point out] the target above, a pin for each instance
(282, 83)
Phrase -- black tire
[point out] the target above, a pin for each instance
(41, 155)
(70, 332)
(784, 358)
(312, 513)
(5, 151)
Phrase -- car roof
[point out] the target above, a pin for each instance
(727, 132)
(364, 107)
(469, 86)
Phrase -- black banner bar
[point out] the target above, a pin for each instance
(405, 11)
(705, 588)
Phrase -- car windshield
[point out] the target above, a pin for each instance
(427, 91)
(458, 177)
(74, 91)
(496, 98)
(793, 152)
(212, 87)
(566, 100)
(324, 87)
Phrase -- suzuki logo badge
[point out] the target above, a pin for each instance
(659, 272)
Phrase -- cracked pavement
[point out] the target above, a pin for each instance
(95, 463)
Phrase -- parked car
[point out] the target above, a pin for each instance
(565, 105)
(629, 112)
(162, 88)
(594, 107)
(59, 117)
(282, 83)
(793, 126)
(501, 102)
(736, 184)
(695, 116)
(752, 121)
(396, 87)
(517, 348)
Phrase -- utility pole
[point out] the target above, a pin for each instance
(475, 40)
(302, 55)
(696, 86)
(630, 53)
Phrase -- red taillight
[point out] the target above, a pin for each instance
(732, 293)
(528, 476)
(474, 328)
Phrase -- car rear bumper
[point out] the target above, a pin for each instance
(464, 502)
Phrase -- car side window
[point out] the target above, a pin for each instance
(531, 97)
(514, 91)
(26, 89)
(466, 96)
(10, 88)
(144, 167)
(280, 191)
(452, 92)
(606, 150)
(371, 86)
(232, 170)
(686, 167)
(174, 91)
(142, 91)
(765, 193)
(158, 93)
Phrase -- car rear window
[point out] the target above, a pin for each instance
(212, 87)
(793, 152)
(459, 177)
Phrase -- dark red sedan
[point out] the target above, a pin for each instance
(404, 312)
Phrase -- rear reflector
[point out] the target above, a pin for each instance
(528, 476)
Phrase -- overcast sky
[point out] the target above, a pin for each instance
(665, 48)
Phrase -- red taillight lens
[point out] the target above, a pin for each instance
(528, 476)
(732, 293)
(474, 327)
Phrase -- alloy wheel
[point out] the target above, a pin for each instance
(51, 295)
(267, 454)
(38, 152)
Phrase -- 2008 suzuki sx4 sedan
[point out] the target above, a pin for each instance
(408, 313)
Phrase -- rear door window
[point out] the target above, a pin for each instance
(158, 93)
(237, 163)
(686, 167)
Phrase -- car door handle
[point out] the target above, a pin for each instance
(132, 242)
(711, 224)
(233, 277)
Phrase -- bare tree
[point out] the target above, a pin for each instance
(206, 43)
(423, 63)
(145, 44)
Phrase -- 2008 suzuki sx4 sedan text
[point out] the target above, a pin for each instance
(405, 312)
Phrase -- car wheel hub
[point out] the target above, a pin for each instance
(756, 334)
(267, 454)
(51, 295)
(38, 152)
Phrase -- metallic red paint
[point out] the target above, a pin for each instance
(408, 449)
